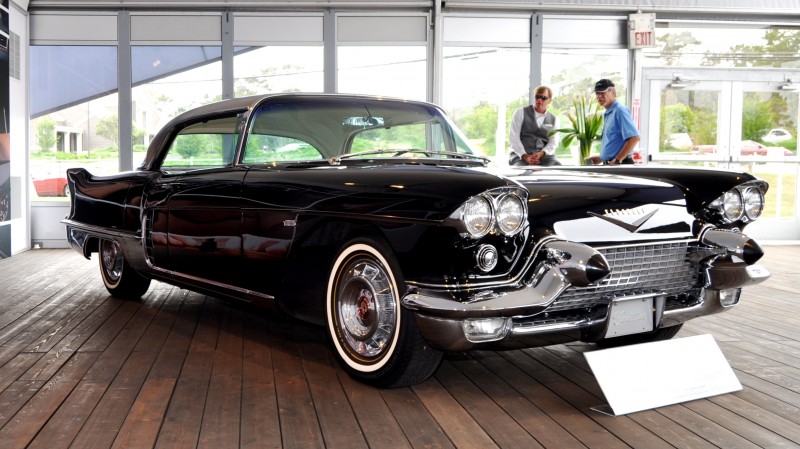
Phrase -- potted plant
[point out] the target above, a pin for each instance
(587, 127)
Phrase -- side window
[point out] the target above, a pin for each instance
(265, 148)
(209, 144)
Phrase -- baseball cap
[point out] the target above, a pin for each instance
(603, 85)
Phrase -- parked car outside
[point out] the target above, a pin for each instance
(404, 243)
(777, 135)
(679, 141)
(51, 186)
(747, 148)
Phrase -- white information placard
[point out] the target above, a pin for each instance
(641, 377)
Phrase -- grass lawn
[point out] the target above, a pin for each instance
(786, 185)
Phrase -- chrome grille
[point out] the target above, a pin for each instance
(668, 268)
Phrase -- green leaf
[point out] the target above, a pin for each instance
(587, 125)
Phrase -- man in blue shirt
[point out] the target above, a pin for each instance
(620, 134)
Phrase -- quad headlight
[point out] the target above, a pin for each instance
(500, 210)
(510, 213)
(740, 203)
(732, 205)
(753, 202)
(478, 216)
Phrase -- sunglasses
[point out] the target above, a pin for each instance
(542, 97)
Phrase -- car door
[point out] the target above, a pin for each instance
(194, 210)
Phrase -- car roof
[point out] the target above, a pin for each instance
(242, 105)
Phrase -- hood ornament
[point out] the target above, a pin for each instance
(610, 215)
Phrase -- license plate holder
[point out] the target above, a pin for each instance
(630, 315)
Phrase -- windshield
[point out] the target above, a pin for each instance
(334, 129)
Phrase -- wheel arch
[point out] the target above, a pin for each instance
(303, 290)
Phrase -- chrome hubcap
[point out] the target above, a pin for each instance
(111, 257)
(366, 307)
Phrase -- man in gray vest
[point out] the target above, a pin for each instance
(529, 136)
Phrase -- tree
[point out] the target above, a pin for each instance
(189, 145)
(672, 45)
(108, 127)
(677, 118)
(46, 133)
(780, 47)
(480, 124)
(756, 118)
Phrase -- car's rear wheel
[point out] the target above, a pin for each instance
(374, 337)
(119, 278)
(66, 190)
(664, 333)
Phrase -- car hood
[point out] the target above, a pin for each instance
(604, 207)
(433, 192)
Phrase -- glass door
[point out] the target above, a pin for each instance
(693, 125)
(767, 145)
(729, 119)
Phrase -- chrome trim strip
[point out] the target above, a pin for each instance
(522, 329)
(98, 231)
(193, 279)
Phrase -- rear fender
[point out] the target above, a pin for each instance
(106, 202)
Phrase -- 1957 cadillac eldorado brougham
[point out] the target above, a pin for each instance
(375, 219)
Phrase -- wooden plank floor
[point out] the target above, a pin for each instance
(182, 370)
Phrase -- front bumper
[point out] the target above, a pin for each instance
(529, 315)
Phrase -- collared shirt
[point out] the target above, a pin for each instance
(618, 127)
(516, 126)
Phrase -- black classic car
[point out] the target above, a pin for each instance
(375, 219)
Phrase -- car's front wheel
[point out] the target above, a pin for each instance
(374, 337)
(120, 279)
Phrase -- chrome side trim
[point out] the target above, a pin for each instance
(194, 280)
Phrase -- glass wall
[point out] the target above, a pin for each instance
(73, 115)
(483, 86)
(571, 74)
(260, 70)
(395, 71)
(486, 75)
(723, 44)
(383, 54)
(169, 80)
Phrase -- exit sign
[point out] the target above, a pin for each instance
(641, 30)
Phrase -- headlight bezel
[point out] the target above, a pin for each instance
(469, 209)
(732, 205)
(497, 199)
(515, 219)
(749, 194)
